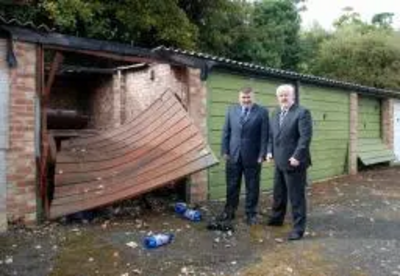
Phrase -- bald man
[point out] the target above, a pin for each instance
(289, 146)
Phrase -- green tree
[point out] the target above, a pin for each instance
(310, 42)
(277, 23)
(370, 58)
(349, 17)
(146, 23)
(383, 20)
(265, 32)
(217, 21)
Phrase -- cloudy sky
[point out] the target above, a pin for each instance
(326, 11)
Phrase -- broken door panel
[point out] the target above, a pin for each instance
(160, 145)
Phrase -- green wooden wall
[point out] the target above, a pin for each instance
(331, 117)
(223, 91)
(370, 147)
(330, 112)
(369, 118)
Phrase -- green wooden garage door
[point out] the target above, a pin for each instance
(370, 148)
(329, 147)
(369, 118)
(223, 91)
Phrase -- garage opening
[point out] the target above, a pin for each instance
(98, 154)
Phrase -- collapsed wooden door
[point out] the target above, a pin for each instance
(158, 146)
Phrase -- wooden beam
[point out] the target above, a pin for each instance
(58, 59)
(41, 183)
(107, 55)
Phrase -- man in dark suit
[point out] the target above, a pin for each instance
(244, 147)
(289, 146)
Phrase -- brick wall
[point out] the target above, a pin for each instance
(143, 87)
(21, 164)
(387, 122)
(197, 99)
(104, 104)
(69, 92)
(352, 164)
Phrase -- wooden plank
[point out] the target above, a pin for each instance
(317, 93)
(377, 159)
(102, 54)
(329, 147)
(136, 163)
(371, 141)
(114, 150)
(58, 59)
(236, 82)
(85, 165)
(138, 122)
(143, 173)
(171, 150)
(373, 151)
(369, 122)
(105, 198)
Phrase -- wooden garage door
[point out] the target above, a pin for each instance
(158, 146)
(329, 147)
(371, 149)
(223, 91)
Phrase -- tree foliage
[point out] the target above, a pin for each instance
(271, 35)
(266, 32)
(362, 52)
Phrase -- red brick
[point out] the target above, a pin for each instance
(21, 172)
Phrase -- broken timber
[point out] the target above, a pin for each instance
(158, 146)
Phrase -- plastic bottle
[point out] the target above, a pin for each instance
(193, 215)
(157, 240)
(180, 208)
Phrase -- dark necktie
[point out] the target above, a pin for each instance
(245, 113)
(282, 116)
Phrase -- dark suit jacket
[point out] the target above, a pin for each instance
(249, 139)
(292, 139)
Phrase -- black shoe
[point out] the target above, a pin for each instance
(273, 222)
(251, 220)
(294, 236)
(225, 216)
(223, 226)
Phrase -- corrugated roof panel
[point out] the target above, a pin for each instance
(268, 71)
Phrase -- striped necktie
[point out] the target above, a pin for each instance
(282, 116)
(244, 114)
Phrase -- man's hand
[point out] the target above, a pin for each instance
(294, 162)
(269, 157)
(225, 156)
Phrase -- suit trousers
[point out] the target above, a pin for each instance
(290, 183)
(234, 172)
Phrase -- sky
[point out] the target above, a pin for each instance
(326, 11)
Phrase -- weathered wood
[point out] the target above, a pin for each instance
(127, 58)
(58, 59)
(158, 146)
(73, 193)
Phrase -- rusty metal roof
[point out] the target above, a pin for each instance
(207, 61)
